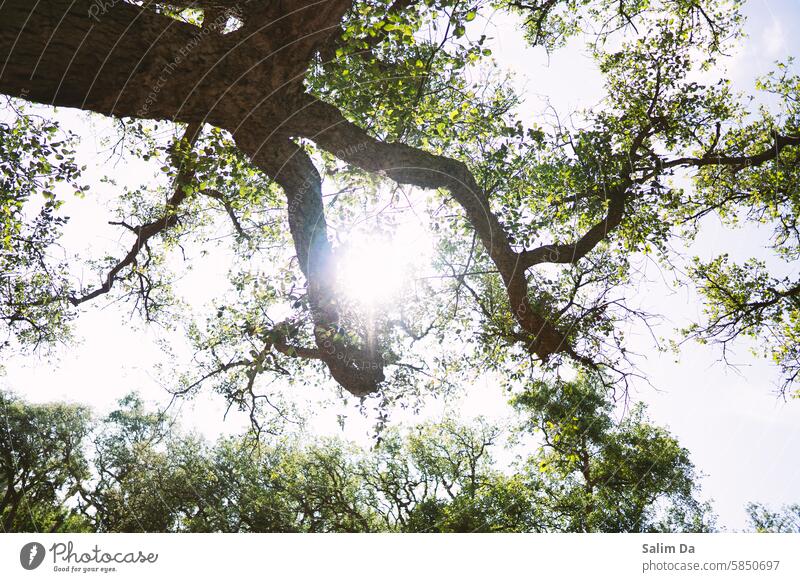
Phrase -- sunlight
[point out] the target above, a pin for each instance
(374, 271)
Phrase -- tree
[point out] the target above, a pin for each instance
(145, 475)
(272, 106)
(763, 519)
(42, 465)
(150, 477)
(597, 475)
(137, 472)
(440, 478)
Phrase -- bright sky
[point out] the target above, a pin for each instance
(741, 436)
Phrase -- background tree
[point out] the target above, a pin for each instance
(144, 473)
(596, 474)
(138, 473)
(784, 520)
(42, 465)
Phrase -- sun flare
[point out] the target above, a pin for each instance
(374, 271)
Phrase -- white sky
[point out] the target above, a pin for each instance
(739, 433)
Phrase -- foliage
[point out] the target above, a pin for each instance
(42, 465)
(37, 164)
(765, 520)
(277, 160)
(603, 475)
(138, 472)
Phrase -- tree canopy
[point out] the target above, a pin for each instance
(43, 463)
(276, 110)
(134, 471)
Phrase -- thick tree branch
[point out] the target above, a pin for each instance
(325, 125)
(571, 253)
(781, 142)
(131, 61)
(356, 364)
